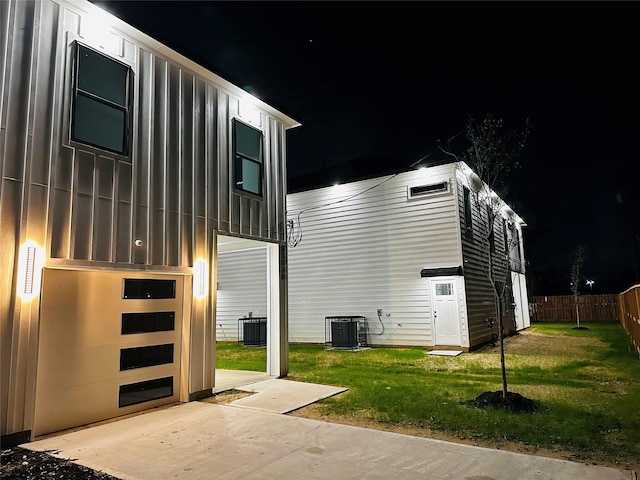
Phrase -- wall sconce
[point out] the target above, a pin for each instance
(248, 110)
(30, 262)
(200, 278)
(337, 188)
(96, 28)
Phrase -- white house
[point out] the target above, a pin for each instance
(125, 167)
(399, 254)
(403, 251)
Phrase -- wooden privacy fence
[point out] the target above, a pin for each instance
(562, 308)
(630, 314)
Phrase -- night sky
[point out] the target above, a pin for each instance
(376, 84)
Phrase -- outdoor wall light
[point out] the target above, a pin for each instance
(29, 270)
(337, 188)
(96, 28)
(248, 111)
(200, 276)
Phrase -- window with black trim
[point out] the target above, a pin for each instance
(492, 242)
(101, 101)
(248, 162)
(147, 288)
(145, 391)
(516, 240)
(468, 219)
(491, 225)
(146, 322)
(148, 356)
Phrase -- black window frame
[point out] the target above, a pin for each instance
(125, 109)
(239, 158)
(134, 323)
(145, 391)
(505, 237)
(516, 239)
(146, 356)
(491, 225)
(148, 288)
(468, 214)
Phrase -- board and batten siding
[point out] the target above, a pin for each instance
(242, 288)
(363, 248)
(85, 206)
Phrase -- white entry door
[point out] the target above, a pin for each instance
(445, 313)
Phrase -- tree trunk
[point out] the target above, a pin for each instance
(577, 313)
(498, 304)
(503, 367)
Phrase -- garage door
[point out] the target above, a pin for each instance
(109, 345)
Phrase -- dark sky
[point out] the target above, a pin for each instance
(376, 84)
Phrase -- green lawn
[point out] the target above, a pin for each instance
(587, 383)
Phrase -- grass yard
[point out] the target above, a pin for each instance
(587, 383)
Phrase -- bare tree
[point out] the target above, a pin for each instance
(492, 154)
(576, 277)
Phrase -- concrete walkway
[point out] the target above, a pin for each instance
(229, 379)
(205, 441)
(284, 396)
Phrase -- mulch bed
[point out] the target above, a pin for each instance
(22, 464)
(514, 402)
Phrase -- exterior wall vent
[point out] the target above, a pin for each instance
(420, 191)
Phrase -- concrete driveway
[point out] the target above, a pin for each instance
(205, 441)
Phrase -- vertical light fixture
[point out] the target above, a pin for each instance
(29, 267)
(200, 278)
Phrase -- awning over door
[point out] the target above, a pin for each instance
(441, 272)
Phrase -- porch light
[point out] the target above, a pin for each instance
(248, 109)
(29, 268)
(200, 276)
(96, 28)
(337, 188)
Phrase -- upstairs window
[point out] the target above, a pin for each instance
(492, 242)
(515, 251)
(491, 225)
(517, 246)
(101, 101)
(248, 162)
(468, 221)
(505, 238)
